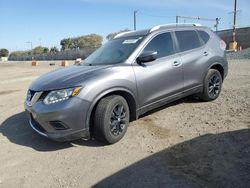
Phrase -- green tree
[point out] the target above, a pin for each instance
(89, 41)
(19, 54)
(66, 43)
(45, 50)
(112, 35)
(54, 50)
(4, 52)
(40, 50)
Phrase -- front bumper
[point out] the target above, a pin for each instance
(70, 115)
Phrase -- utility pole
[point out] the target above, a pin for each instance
(216, 24)
(135, 12)
(31, 46)
(234, 25)
(40, 41)
(176, 19)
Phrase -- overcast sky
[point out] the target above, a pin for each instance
(48, 21)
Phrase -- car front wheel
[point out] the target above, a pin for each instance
(111, 118)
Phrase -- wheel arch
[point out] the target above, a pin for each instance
(218, 67)
(217, 63)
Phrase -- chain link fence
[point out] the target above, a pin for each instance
(62, 55)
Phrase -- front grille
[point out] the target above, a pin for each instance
(37, 125)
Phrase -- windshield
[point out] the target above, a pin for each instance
(114, 52)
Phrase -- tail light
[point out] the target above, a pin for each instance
(223, 45)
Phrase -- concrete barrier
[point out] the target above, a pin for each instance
(64, 63)
(34, 63)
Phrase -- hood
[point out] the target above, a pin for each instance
(65, 77)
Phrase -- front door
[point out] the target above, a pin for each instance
(160, 79)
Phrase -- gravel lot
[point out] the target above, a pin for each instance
(185, 144)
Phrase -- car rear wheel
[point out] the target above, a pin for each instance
(212, 85)
(111, 119)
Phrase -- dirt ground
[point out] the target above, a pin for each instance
(185, 144)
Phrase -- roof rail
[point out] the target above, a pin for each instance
(122, 33)
(173, 24)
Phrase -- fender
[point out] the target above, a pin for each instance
(217, 60)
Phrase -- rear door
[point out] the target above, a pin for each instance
(194, 55)
(161, 78)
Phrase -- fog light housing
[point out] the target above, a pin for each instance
(58, 125)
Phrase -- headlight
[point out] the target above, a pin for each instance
(61, 95)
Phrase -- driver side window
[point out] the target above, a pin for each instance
(162, 44)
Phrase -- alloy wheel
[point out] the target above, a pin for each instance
(118, 120)
(214, 85)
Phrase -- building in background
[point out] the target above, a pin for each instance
(3, 58)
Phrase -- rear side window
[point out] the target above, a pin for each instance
(204, 35)
(162, 44)
(187, 40)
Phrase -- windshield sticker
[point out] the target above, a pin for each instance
(130, 41)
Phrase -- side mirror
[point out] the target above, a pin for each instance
(146, 57)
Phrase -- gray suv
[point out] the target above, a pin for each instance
(131, 74)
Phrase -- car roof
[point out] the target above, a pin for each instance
(159, 28)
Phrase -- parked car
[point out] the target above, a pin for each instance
(132, 74)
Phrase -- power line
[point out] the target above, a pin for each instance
(231, 19)
(196, 18)
(216, 20)
(31, 45)
(156, 16)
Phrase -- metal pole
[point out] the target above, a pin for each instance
(216, 24)
(135, 12)
(234, 26)
(31, 46)
(176, 19)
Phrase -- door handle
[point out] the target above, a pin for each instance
(176, 63)
(205, 54)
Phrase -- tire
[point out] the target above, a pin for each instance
(111, 119)
(212, 85)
